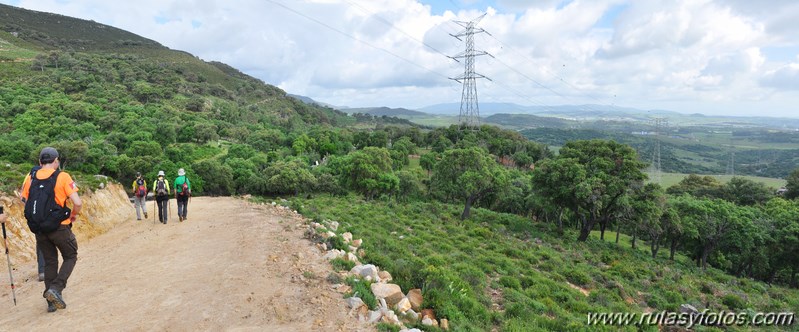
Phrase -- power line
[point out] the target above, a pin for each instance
(355, 38)
(381, 19)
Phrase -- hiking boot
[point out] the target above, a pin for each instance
(145, 215)
(54, 296)
(181, 219)
(41, 276)
(51, 306)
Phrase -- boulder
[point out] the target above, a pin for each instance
(347, 237)
(384, 276)
(332, 254)
(410, 316)
(351, 257)
(429, 313)
(390, 317)
(403, 305)
(390, 292)
(427, 321)
(374, 316)
(328, 235)
(354, 302)
(444, 324)
(364, 271)
(688, 309)
(357, 243)
(352, 249)
(416, 299)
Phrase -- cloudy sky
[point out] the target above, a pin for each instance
(734, 57)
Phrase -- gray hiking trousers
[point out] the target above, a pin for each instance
(140, 202)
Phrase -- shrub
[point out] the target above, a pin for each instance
(734, 302)
(510, 282)
(577, 277)
(340, 264)
(361, 289)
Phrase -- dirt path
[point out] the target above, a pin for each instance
(231, 266)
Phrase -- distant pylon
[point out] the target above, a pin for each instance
(731, 161)
(470, 112)
(658, 174)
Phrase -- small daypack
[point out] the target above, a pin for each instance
(142, 190)
(160, 188)
(44, 215)
(185, 188)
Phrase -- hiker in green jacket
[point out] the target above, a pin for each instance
(161, 187)
(140, 195)
(182, 193)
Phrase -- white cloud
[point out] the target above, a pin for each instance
(688, 55)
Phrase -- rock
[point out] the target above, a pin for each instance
(429, 313)
(403, 305)
(352, 249)
(344, 289)
(411, 330)
(368, 278)
(427, 321)
(361, 253)
(328, 235)
(364, 271)
(357, 243)
(444, 324)
(411, 316)
(391, 318)
(374, 316)
(351, 257)
(322, 246)
(347, 237)
(688, 309)
(333, 225)
(416, 299)
(354, 302)
(390, 292)
(384, 276)
(332, 254)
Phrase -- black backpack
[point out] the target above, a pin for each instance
(160, 188)
(44, 215)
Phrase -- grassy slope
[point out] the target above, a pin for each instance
(670, 179)
(521, 268)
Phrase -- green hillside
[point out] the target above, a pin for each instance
(498, 232)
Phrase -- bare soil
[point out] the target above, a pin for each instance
(232, 266)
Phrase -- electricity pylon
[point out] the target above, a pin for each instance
(470, 111)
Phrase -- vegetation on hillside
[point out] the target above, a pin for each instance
(496, 229)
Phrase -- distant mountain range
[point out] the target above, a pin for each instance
(380, 111)
(499, 113)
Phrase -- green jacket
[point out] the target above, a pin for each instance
(179, 184)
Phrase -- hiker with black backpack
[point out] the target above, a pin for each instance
(51, 220)
(39, 256)
(161, 187)
(140, 195)
(182, 194)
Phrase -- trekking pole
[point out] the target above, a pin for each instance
(10, 276)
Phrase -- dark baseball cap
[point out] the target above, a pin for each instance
(48, 155)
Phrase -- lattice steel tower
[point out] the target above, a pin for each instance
(470, 111)
(659, 123)
(731, 154)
